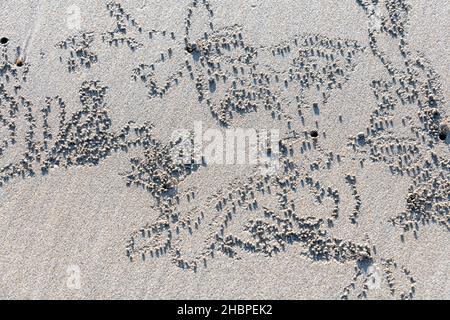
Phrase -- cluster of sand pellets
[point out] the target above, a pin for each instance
(258, 213)
(413, 85)
(428, 198)
(365, 278)
(232, 77)
(159, 172)
(120, 34)
(56, 139)
(246, 220)
(79, 51)
(322, 64)
(13, 71)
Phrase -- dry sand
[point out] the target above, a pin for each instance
(95, 204)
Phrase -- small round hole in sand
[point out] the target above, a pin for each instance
(443, 135)
(314, 134)
(4, 40)
(19, 63)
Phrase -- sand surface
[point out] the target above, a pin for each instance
(117, 180)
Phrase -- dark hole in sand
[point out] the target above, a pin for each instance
(19, 63)
(4, 40)
(443, 136)
(314, 133)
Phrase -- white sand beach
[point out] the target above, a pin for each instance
(206, 149)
